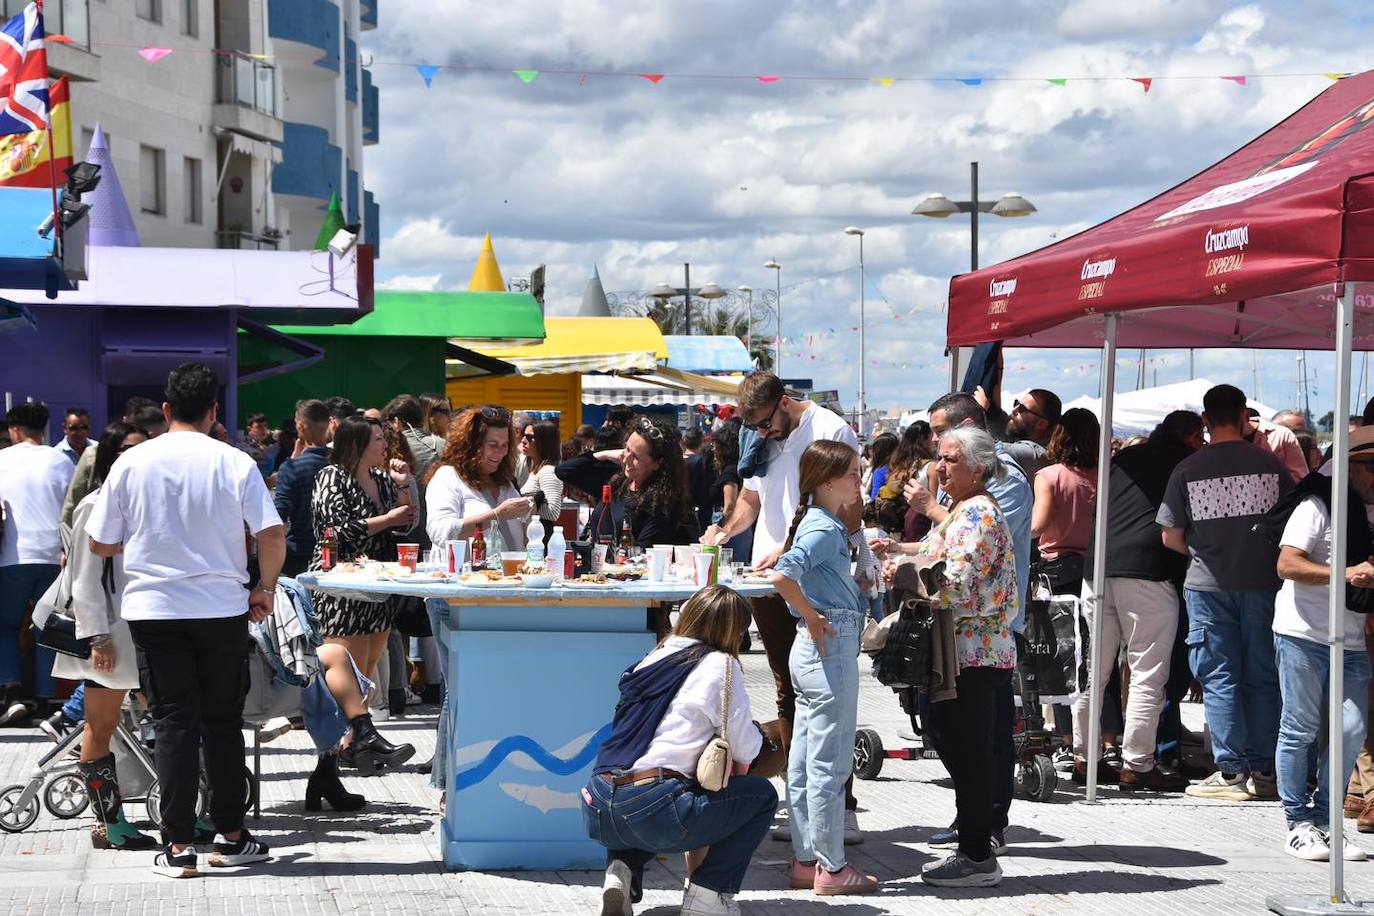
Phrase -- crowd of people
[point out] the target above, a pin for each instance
(1217, 575)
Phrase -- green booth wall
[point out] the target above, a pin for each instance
(369, 371)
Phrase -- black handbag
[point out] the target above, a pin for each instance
(59, 634)
(412, 618)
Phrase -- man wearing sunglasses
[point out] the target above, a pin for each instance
(768, 501)
(77, 428)
(1034, 415)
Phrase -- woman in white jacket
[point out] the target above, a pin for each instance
(94, 586)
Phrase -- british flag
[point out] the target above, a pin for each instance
(23, 74)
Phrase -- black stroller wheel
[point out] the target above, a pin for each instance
(1036, 779)
(868, 754)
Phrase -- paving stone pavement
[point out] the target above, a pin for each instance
(1173, 855)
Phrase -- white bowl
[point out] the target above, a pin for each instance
(537, 581)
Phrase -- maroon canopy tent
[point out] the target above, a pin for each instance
(1252, 246)
(1264, 249)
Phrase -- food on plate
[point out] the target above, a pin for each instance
(591, 579)
(534, 569)
(489, 577)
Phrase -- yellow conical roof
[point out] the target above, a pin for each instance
(486, 276)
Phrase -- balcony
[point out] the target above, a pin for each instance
(246, 96)
(351, 210)
(372, 225)
(248, 241)
(308, 22)
(350, 70)
(310, 163)
(369, 14)
(372, 125)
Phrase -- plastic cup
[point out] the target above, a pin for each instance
(511, 561)
(598, 558)
(658, 566)
(408, 555)
(455, 555)
(704, 564)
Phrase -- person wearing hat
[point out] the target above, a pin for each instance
(1302, 656)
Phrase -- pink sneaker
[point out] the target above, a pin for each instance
(848, 880)
(803, 875)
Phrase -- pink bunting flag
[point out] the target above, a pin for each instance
(768, 78)
(1145, 81)
(1238, 80)
(653, 77)
(153, 55)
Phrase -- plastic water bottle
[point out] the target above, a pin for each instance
(558, 547)
(534, 542)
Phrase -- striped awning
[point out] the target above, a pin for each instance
(654, 389)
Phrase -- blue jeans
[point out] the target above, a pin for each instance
(1231, 648)
(21, 586)
(674, 815)
(75, 707)
(822, 753)
(1304, 674)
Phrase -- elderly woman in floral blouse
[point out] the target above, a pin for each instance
(980, 591)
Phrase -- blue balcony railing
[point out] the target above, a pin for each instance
(372, 124)
(351, 70)
(369, 14)
(372, 228)
(310, 163)
(308, 22)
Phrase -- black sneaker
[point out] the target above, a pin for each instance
(57, 726)
(243, 851)
(172, 865)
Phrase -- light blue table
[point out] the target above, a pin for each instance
(533, 682)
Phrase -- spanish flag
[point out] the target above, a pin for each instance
(24, 157)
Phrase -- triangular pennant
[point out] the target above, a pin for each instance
(883, 80)
(153, 55)
(1330, 76)
(977, 82)
(60, 39)
(653, 77)
(1058, 82)
(1145, 81)
(768, 78)
(526, 76)
(1238, 80)
(426, 72)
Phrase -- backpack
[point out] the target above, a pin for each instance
(1358, 542)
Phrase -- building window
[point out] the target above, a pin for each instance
(87, 135)
(150, 10)
(191, 173)
(190, 18)
(152, 185)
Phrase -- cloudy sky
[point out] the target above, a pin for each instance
(584, 168)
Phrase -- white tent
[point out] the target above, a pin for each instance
(1136, 413)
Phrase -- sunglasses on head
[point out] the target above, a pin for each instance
(645, 426)
(767, 422)
(499, 414)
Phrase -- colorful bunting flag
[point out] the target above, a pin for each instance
(768, 78)
(1238, 80)
(1058, 82)
(977, 82)
(60, 39)
(1145, 81)
(1336, 76)
(526, 76)
(883, 80)
(426, 72)
(153, 55)
(651, 77)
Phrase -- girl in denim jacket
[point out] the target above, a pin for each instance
(815, 577)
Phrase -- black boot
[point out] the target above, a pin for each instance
(111, 830)
(371, 750)
(324, 784)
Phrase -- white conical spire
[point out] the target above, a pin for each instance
(110, 221)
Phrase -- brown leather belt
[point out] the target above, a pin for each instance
(641, 777)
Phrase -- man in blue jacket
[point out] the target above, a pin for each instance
(296, 482)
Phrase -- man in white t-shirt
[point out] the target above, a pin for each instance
(33, 481)
(768, 501)
(1301, 627)
(178, 507)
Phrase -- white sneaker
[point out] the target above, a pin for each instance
(381, 714)
(701, 901)
(615, 890)
(1305, 841)
(273, 729)
(853, 836)
(1220, 786)
(1350, 850)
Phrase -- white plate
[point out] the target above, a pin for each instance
(593, 586)
(487, 583)
(537, 581)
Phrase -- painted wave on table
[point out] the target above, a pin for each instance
(541, 797)
(527, 754)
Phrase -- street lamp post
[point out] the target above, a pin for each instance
(939, 206)
(748, 317)
(663, 291)
(777, 303)
(863, 401)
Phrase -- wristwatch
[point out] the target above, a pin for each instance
(264, 589)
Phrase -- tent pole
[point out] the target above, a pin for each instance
(1099, 584)
(1340, 499)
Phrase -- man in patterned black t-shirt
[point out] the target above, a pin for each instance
(1213, 500)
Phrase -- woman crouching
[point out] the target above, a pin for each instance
(642, 798)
